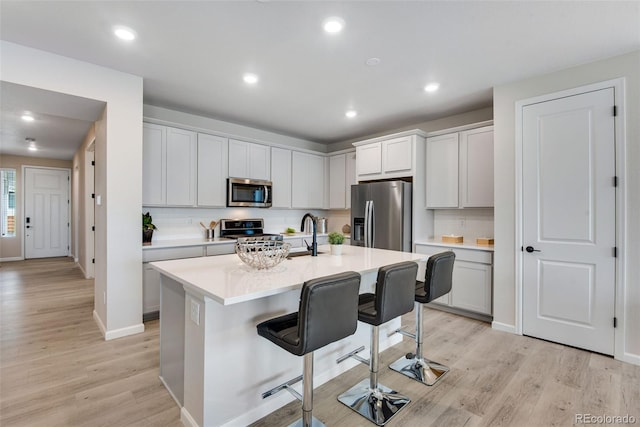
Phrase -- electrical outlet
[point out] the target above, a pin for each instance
(195, 312)
(462, 223)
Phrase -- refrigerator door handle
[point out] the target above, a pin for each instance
(372, 235)
(366, 224)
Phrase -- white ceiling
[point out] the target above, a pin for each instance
(192, 54)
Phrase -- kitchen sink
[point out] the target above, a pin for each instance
(301, 253)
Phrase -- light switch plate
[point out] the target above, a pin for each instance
(195, 312)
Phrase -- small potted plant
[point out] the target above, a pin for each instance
(336, 240)
(147, 229)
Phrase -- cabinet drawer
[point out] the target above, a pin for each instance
(223, 249)
(172, 253)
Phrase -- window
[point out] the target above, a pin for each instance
(8, 205)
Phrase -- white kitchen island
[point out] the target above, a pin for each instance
(212, 360)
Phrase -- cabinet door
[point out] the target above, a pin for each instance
(154, 166)
(476, 167)
(212, 170)
(307, 181)
(281, 177)
(442, 171)
(181, 167)
(337, 181)
(150, 289)
(259, 162)
(471, 286)
(369, 159)
(397, 155)
(351, 177)
(238, 155)
(249, 160)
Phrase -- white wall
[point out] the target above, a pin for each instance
(118, 173)
(505, 96)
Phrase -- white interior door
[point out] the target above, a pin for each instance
(568, 198)
(46, 212)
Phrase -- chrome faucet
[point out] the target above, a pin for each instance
(314, 244)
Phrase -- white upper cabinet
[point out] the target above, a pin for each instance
(397, 155)
(249, 160)
(342, 175)
(169, 166)
(392, 156)
(476, 168)
(307, 181)
(181, 167)
(369, 159)
(337, 181)
(459, 169)
(154, 166)
(351, 177)
(281, 177)
(442, 171)
(212, 170)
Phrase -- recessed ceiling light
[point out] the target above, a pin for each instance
(372, 62)
(333, 25)
(124, 33)
(27, 117)
(351, 114)
(250, 78)
(431, 87)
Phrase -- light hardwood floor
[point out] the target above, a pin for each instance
(56, 370)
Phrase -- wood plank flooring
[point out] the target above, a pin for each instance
(56, 369)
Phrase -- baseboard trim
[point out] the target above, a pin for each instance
(15, 258)
(634, 359)
(187, 419)
(98, 321)
(170, 392)
(123, 332)
(503, 327)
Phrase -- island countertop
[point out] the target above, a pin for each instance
(228, 280)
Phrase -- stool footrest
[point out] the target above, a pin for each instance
(354, 355)
(285, 386)
(421, 370)
(378, 405)
(405, 333)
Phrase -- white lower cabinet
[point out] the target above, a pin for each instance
(151, 277)
(472, 286)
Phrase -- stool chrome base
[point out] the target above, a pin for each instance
(314, 423)
(421, 370)
(377, 405)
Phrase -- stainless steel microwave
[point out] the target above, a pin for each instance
(249, 193)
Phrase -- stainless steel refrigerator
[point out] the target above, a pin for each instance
(381, 215)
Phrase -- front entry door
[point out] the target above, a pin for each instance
(568, 205)
(46, 212)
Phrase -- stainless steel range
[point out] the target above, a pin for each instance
(245, 228)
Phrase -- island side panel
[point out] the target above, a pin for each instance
(172, 298)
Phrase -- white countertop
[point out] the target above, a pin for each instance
(228, 280)
(181, 243)
(464, 245)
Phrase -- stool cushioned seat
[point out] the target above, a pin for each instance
(328, 312)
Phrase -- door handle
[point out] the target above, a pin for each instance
(531, 249)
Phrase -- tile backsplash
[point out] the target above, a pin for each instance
(470, 223)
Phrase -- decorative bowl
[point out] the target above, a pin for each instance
(262, 254)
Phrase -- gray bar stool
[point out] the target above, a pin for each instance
(437, 283)
(328, 312)
(395, 287)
